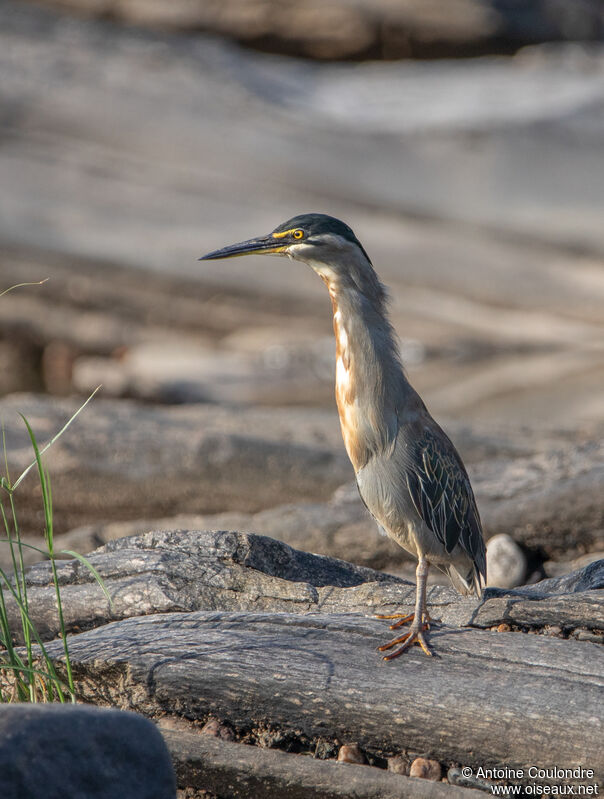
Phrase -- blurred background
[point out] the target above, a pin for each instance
(462, 140)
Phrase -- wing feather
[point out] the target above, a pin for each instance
(442, 495)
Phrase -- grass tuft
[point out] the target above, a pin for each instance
(22, 678)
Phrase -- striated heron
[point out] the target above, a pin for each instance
(409, 474)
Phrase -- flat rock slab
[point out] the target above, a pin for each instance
(160, 572)
(248, 772)
(166, 571)
(57, 751)
(485, 699)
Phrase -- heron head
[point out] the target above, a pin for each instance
(323, 242)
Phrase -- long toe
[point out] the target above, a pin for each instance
(402, 619)
(414, 636)
(394, 642)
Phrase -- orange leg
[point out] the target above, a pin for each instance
(420, 620)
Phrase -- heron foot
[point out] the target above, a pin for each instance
(415, 635)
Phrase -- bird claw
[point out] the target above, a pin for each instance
(414, 636)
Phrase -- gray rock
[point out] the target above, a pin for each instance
(587, 635)
(191, 570)
(588, 578)
(506, 562)
(160, 572)
(585, 609)
(310, 677)
(57, 751)
(178, 370)
(301, 674)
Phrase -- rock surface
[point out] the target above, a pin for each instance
(54, 751)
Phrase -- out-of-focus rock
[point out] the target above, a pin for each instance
(122, 459)
(556, 568)
(506, 562)
(341, 29)
(19, 362)
(83, 215)
(28, 554)
(57, 368)
(180, 371)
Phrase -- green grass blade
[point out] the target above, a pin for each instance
(48, 535)
(45, 656)
(20, 285)
(91, 569)
(24, 474)
(5, 481)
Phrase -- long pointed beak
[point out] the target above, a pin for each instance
(262, 245)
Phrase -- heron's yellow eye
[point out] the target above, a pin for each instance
(298, 234)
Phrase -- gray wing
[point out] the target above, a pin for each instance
(442, 495)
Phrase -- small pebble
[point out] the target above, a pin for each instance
(554, 630)
(397, 764)
(425, 769)
(216, 729)
(503, 628)
(351, 753)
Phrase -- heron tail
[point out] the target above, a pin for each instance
(470, 583)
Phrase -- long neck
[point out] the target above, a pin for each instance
(370, 381)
